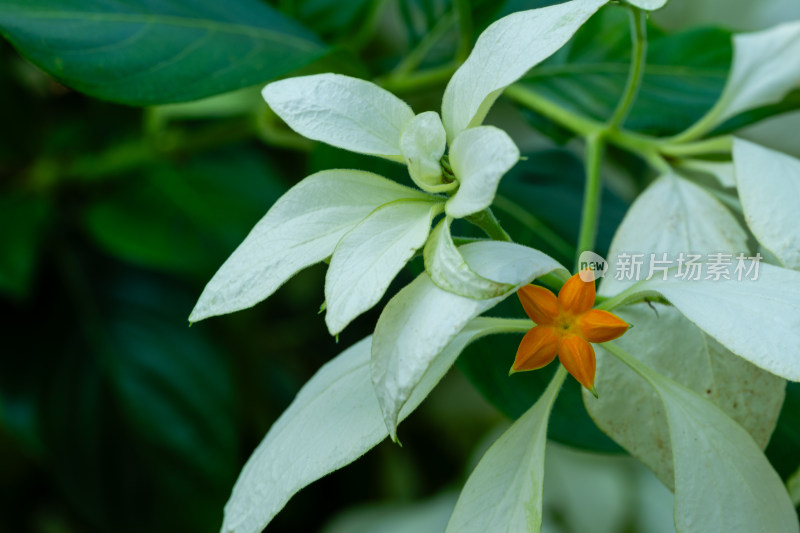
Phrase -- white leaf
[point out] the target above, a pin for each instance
(504, 52)
(449, 271)
(368, 258)
(504, 492)
(766, 66)
(629, 410)
(769, 188)
(649, 5)
(671, 216)
(479, 158)
(426, 516)
(722, 171)
(423, 143)
(422, 319)
(333, 421)
(757, 319)
(342, 111)
(723, 482)
(301, 228)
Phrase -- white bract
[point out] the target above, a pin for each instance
(766, 67)
(769, 188)
(369, 241)
(504, 493)
(722, 480)
(673, 216)
(629, 410)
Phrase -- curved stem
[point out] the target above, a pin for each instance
(488, 223)
(639, 41)
(595, 146)
(560, 115)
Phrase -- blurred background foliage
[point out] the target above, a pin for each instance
(117, 205)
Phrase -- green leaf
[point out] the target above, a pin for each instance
(22, 221)
(144, 53)
(138, 412)
(628, 409)
(785, 441)
(684, 75)
(794, 487)
(504, 492)
(185, 216)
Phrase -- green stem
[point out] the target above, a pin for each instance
(633, 363)
(639, 42)
(549, 236)
(715, 145)
(488, 223)
(573, 121)
(595, 146)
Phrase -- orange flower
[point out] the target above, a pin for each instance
(565, 326)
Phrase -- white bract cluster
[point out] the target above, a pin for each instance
(370, 227)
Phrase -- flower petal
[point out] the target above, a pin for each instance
(577, 356)
(601, 326)
(422, 143)
(576, 296)
(537, 349)
(504, 52)
(342, 111)
(479, 158)
(540, 304)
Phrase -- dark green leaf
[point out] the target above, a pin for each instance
(683, 78)
(150, 52)
(186, 216)
(784, 446)
(22, 219)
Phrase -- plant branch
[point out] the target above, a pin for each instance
(595, 146)
(639, 42)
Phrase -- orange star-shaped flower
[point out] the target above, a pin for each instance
(565, 326)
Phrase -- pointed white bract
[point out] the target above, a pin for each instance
(333, 421)
(723, 482)
(449, 271)
(769, 189)
(422, 319)
(302, 228)
(504, 52)
(630, 411)
(345, 112)
(423, 143)
(479, 158)
(368, 258)
(672, 216)
(766, 66)
(757, 319)
(504, 492)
